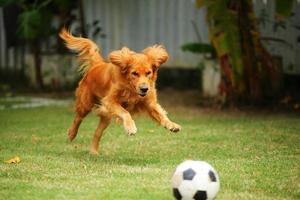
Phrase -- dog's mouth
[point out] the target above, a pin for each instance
(142, 94)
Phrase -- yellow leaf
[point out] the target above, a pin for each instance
(14, 160)
(220, 44)
(200, 3)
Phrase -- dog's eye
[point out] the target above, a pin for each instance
(135, 74)
(148, 73)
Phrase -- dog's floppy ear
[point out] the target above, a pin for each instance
(157, 55)
(121, 58)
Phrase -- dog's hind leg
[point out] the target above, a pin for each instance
(84, 104)
(75, 125)
(103, 123)
(81, 110)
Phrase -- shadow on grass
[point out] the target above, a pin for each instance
(120, 158)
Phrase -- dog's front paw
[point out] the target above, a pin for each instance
(94, 152)
(71, 134)
(171, 126)
(130, 127)
(131, 130)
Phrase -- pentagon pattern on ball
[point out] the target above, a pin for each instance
(177, 194)
(200, 195)
(189, 174)
(212, 176)
(195, 180)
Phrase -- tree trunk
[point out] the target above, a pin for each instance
(249, 54)
(36, 49)
(258, 66)
(226, 86)
(258, 63)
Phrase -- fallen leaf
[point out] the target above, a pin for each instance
(14, 160)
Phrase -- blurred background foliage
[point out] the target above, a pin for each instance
(35, 23)
(249, 73)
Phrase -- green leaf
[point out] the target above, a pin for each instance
(34, 24)
(284, 7)
(29, 22)
(197, 48)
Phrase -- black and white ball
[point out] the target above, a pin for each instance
(195, 180)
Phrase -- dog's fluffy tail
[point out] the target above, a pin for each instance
(88, 51)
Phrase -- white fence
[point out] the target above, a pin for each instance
(140, 23)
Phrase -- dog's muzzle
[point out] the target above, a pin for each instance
(143, 90)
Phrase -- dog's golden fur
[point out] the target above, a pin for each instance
(122, 87)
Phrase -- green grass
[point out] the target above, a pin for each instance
(256, 156)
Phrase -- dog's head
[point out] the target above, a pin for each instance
(140, 69)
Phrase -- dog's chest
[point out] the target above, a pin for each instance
(131, 102)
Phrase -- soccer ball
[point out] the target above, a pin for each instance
(195, 180)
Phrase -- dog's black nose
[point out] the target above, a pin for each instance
(144, 89)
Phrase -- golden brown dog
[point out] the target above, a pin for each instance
(124, 86)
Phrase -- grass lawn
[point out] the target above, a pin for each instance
(257, 156)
